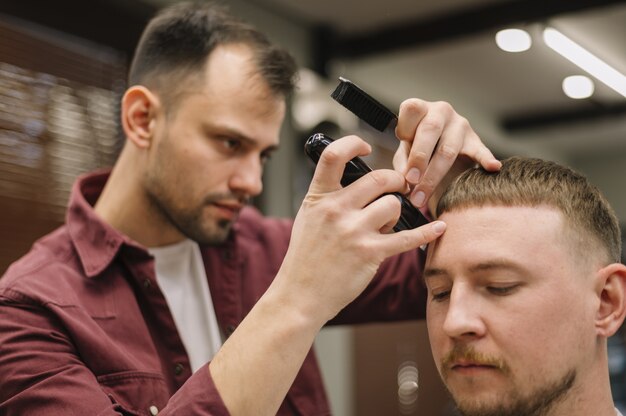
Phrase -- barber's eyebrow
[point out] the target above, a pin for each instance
(236, 134)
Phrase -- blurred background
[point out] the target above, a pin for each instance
(62, 71)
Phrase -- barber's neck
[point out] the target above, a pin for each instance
(124, 204)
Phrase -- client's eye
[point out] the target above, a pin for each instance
(502, 290)
(440, 295)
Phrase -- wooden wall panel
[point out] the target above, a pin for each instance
(59, 111)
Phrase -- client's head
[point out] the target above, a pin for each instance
(524, 288)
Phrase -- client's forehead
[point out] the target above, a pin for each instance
(514, 220)
(497, 234)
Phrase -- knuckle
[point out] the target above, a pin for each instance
(447, 152)
(419, 158)
(427, 185)
(465, 124)
(344, 229)
(389, 179)
(329, 156)
(413, 105)
(333, 210)
(403, 134)
(332, 214)
(444, 107)
(363, 246)
(393, 204)
(407, 241)
(329, 211)
(379, 178)
(432, 124)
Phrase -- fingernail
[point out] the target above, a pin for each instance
(418, 198)
(439, 227)
(413, 175)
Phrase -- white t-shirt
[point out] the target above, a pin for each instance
(181, 276)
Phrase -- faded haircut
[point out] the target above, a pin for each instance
(534, 182)
(176, 43)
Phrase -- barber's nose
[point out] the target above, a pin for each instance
(464, 318)
(247, 179)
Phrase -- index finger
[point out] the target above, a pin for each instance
(412, 111)
(332, 163)
(406, 240)
(477, 150)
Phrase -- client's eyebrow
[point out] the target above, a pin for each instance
(498, 264)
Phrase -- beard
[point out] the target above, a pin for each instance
(536, 401)
(191, 221)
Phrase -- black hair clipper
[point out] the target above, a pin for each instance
(410, 217)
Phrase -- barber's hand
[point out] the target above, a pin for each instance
(433, 137)
(340, 234)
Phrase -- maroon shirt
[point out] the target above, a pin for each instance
(85, 329)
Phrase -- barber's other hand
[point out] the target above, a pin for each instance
(433, 137)
(340, 234)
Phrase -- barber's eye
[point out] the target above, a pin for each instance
(265, 156)
(232, 144)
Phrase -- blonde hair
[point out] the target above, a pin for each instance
(534, 182)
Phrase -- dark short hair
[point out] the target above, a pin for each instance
(535, 182)
(178, 40)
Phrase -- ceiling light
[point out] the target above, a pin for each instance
(578, 86)
(513, 40)
(585, 60)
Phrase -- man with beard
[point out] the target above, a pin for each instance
(164, 293)
(524, 288)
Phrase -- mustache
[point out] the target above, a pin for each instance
(466, 353)
(213, 198)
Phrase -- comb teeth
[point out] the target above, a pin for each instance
(362, 105)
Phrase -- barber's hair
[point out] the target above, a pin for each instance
(535, 182)
(178, 40)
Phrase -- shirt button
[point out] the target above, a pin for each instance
(178, 369)
(154, 411)
(147, 284)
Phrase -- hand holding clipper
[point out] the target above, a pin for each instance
(410, 217)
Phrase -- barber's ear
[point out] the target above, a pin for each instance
(139, 110)
(612, 291)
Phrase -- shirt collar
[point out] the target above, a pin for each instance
(96, 242)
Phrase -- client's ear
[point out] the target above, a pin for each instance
(139, 110)
(612, 291)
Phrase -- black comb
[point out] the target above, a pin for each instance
(363, 105)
